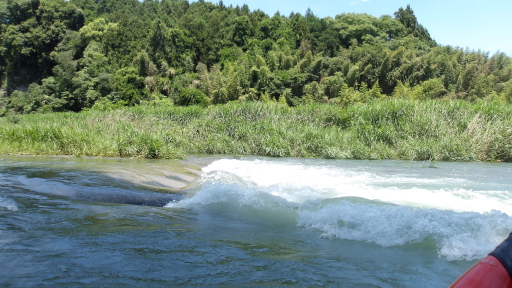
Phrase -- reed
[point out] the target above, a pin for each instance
(389, 129)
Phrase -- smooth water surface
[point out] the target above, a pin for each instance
(247, 222)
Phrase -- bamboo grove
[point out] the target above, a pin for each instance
(73, 55)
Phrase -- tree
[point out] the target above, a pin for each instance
(242, 31)
(347, 96)
(401, 91)
(315, 92)
(355, 28)
(334, 84)
(375, 92)
(34, 29)
(144, 65)
(300, 28)
(101, 32)
(408, 19)
(130, 86)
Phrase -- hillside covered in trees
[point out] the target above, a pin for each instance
(72, 55)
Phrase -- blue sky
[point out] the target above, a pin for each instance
(475, 24)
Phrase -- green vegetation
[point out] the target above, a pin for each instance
(162, 79)
(59, 55)
(389, 129)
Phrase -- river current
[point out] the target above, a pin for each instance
(247, 221)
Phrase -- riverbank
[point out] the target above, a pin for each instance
(389, 129)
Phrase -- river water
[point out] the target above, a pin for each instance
(247, 221)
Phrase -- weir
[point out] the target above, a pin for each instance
(111, 180)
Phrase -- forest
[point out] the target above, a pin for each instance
(79, 55)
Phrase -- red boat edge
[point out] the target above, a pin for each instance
(494, 271)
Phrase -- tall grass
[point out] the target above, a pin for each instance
(391, 129)
(433, 130)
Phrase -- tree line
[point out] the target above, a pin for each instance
(59, 55)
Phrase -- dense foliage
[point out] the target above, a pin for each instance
(59, 55)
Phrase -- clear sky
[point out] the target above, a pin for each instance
(473, 24)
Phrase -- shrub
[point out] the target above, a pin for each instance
(192, 96)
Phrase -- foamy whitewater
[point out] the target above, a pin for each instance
(464, 213)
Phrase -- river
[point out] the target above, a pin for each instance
(247, 221)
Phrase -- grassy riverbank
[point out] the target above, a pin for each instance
(390, 129)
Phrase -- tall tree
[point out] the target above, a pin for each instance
(408, 19)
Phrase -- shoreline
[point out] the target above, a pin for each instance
(198, 159)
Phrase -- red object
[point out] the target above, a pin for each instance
(487, 273)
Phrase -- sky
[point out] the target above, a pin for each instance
(475, 24)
